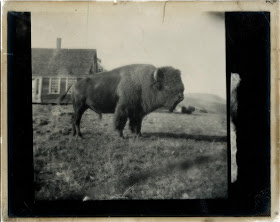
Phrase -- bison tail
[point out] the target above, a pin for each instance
(62, 97)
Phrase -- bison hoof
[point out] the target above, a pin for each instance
(137, 136)
(122, 136)
(79, 135)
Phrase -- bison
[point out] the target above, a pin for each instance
(130, 92)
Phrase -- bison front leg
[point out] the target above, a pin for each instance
(135, 124)
(138, 126)
(120, 119)
(132, 125)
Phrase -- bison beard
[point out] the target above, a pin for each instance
(174, 106)
(130, 92)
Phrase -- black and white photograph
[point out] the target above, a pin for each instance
(145, 109)
(129, 108)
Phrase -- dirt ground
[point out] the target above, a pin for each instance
(179, 157)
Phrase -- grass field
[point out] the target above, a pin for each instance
(179, 156)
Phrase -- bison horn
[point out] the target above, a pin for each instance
(158, 75)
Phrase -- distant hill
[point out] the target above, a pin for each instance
(209, 102)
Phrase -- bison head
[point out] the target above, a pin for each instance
(170, 87)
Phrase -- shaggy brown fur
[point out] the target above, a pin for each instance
(131, 92)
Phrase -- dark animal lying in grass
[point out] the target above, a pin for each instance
(203, 111)
(188, 110)
(131, 92)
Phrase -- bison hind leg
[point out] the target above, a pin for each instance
(78, 116)
(120, 119)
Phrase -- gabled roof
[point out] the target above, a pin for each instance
(61, 62)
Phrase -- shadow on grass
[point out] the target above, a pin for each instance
(126, 183)
(178, 166)
(187, 136)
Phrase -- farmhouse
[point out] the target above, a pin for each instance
(54, 70)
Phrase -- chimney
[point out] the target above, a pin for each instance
(58, 43)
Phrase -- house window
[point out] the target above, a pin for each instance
(37, 86)
(70, 82)
(54, 86)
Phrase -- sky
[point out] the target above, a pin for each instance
(192, 41)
